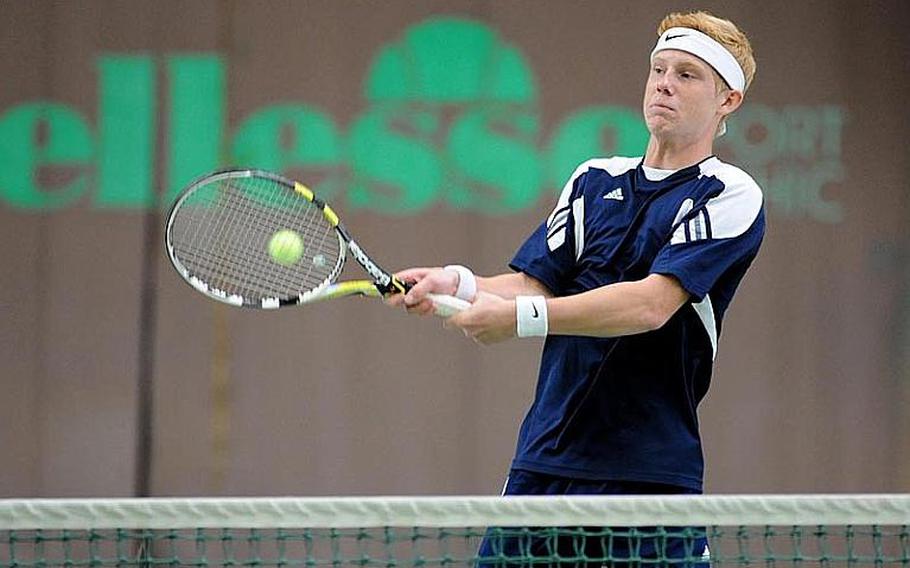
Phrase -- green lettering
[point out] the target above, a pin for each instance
(756, 136)
(595, 131)
(832, 118)
(803, 132)
(292, 137)
(395, 167)
(795, 189)
(127, 132)
(822, 174)
(43, 141)
(196, 119)
(780, 187)
(498, 169)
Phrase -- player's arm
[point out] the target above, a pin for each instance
(685, 269)
(437, 280)
(513, 284)
(555, 233)
(624, 308)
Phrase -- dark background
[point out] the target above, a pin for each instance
(812, 381)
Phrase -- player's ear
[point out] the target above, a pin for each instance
(731, 101)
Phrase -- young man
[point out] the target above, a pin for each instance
(629, 279)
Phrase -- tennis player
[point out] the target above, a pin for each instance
(628, 279)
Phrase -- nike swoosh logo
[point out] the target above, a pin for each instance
(675, 36)
(536, 315)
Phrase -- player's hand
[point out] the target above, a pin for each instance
(425, 281)
(410, 276)
(490, 320)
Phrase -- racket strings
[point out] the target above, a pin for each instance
(312, 218)
(311, 227)
(245, 270)
(224, 227)
(221, 236)
(264, 272)
(235, 268)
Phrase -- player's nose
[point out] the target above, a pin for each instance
(663, 84)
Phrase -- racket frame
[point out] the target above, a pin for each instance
(383, 282)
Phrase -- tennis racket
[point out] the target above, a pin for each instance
(255, 239)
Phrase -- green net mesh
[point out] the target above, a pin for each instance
(314, 535)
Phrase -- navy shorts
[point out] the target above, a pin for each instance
(589, 547)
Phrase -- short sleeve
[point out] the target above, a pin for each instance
(549, 253)
(719, 238)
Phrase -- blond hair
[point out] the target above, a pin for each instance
(723, 31)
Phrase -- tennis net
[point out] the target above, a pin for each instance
(792, 530)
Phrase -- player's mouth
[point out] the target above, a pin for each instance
(661, 106)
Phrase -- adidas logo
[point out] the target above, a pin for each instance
(615, 194)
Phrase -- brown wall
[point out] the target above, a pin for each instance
(811, 386)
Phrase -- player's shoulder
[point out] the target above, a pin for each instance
(615, 165)
(734, 179)
(738, 205)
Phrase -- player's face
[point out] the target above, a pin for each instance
(681, 99)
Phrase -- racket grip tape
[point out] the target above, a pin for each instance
(447, 306)
(444, 305)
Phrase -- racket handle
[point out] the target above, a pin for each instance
(447, 306)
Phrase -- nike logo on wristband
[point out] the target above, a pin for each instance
(531, 316)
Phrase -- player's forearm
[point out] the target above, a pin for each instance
(624, 308)
(513, 284)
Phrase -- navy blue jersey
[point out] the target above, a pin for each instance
(625, 408)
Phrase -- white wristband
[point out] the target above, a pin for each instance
(531, 316)
(467, 283)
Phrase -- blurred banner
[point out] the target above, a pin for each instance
(443, 132)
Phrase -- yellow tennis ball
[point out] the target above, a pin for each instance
(286, 247)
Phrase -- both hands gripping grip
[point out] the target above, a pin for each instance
(447, 306)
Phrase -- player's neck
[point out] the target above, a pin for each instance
(668, 154)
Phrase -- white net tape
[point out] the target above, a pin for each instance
(546, 511)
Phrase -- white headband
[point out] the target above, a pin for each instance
(707, 48)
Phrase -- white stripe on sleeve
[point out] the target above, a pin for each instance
(734, 210)
(556, 231)
(578, 211)
(705, 311)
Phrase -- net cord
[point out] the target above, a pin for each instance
(350, 512)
